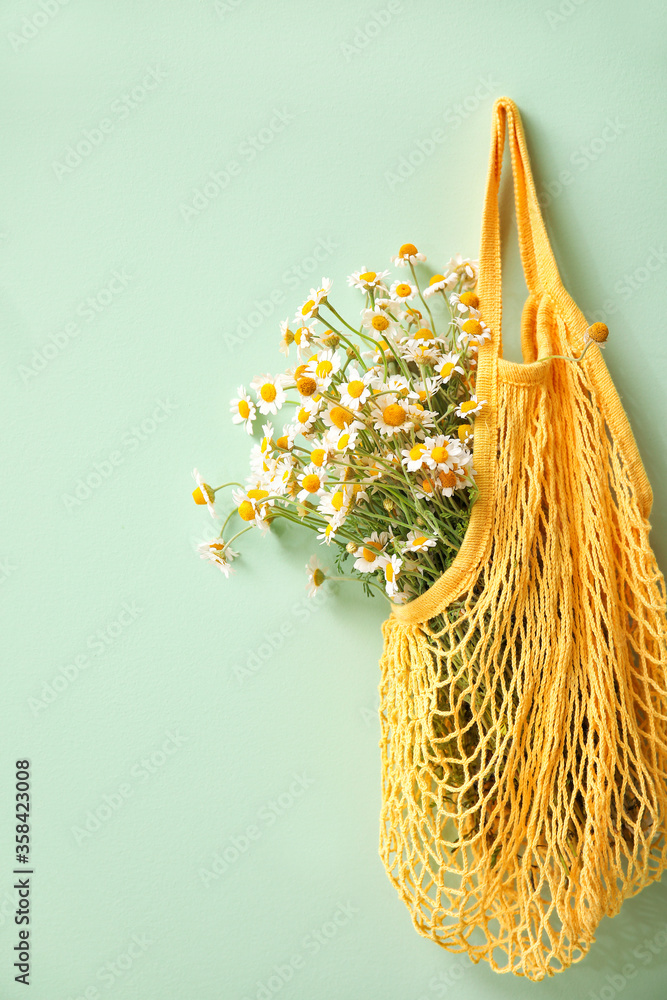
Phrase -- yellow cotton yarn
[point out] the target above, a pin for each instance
(523, 698)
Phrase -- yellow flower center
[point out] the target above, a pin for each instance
(440, 454)
(447, 479)
(311, 483)
(324, 368)
(203, 494)
(416, 452)
(303, 415)
(317, 456)
(246, 511)
(469, 299)
(407, 250)
(302, 335)
(471, 327)
(283, 442)
(394, 415)
(469, 405)
(257, 494)
(343, 441)
(598, 332)
(355, 388)
(423, 334)
(288, 337)
(436, 278)
(307, 307)
(337, 500)
(371, 551)
(379, 323)
(368, 276)
(318, 578)
(464, 432)
(299, 370)
(389, 572)
(446, 369)
(419, 540)
(306, 386)
(267, 392)
(339, 417)
(403, 289)
(427, 486)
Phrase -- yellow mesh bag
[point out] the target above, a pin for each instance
(523, 696)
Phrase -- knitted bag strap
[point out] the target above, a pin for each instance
(539, 265)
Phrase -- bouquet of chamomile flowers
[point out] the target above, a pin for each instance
(366, 438)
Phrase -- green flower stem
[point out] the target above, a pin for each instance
(227, 520)
(232, 483)
(359, 579)
(238, 533)
(425, 304)
(561, 357)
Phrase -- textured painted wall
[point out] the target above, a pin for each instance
(205, 752)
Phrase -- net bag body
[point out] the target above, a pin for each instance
(523, 701)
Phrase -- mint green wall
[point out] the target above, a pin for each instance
(144, 686)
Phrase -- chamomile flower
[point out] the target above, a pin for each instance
(391, 566)
(281, 476)
(323, 366)
(306, 415)
(425, 388)
(390, 415)
(309, 309)
(421, 352)
(472, 331)
(322, 452)
(243, 408)
(398, 384)
(316, 575)
(408, 254)
(440, 283)
(382, 319)
(418, 542)
(369, 554)
(328, 533)
(469, 407)
(425, 488)
(252, 506)
(311, 481)
(303, 336)
(465, 269)
(465, 433)
(446, 482)
(346, 440)
(287, 337)
(420, 418)
(219, 553)
(336, 505)
(403, 291)
(204, 494)
(414, 458)
(597, 333)
(356, 389)
(448, 365)
(340, 417)
(270, 392)
(441, 452)
(381, 351)
(364, 280)
(465, 302)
